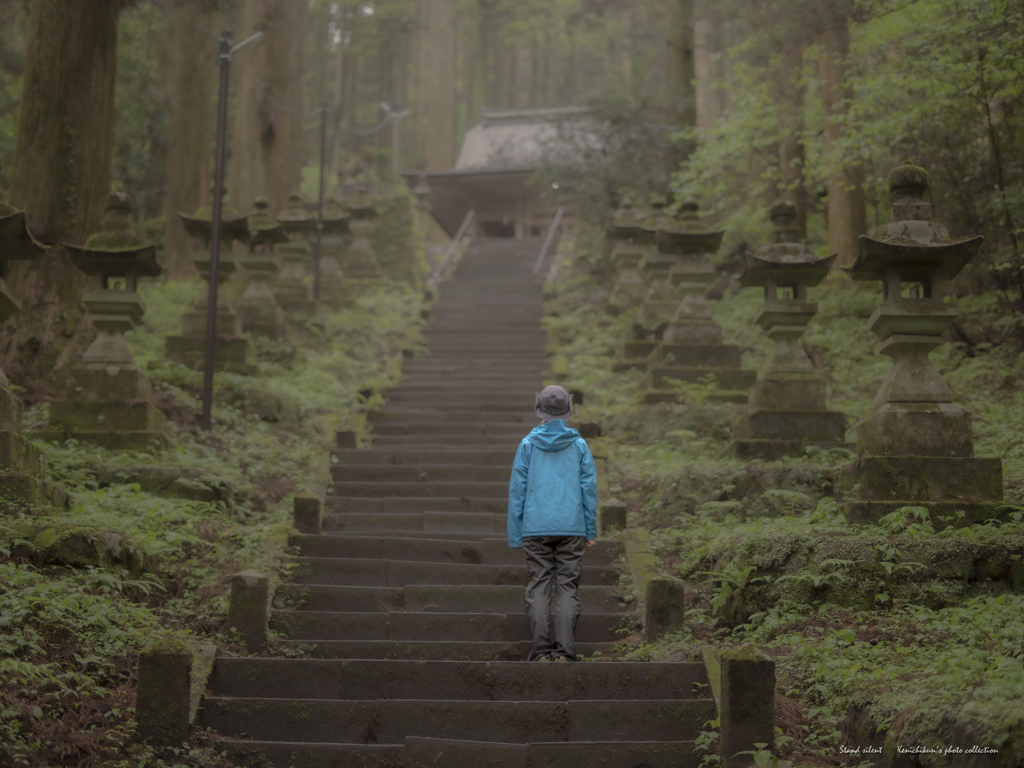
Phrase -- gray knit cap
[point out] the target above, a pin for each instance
(553, 402)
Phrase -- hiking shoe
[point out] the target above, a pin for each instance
(544, 658)
(560, 658)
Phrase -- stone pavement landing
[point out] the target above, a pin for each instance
(411, 605)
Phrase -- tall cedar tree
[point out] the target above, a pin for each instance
(61, 174)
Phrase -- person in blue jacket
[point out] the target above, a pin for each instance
(552, 515)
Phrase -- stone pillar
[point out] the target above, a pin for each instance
(292, 289)
(691, 348)
(21, 463)
(746, 703)
(247, 612)
(108, 396)
(611, 515)
(916, 446)
(664, 606)
(307, 514)
(232, 352)
(787, 409)
(163, 697)
(258, 309)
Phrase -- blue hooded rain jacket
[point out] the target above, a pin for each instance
(553, 491)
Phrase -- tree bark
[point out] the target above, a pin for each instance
(261, 138)
(847, 213)
(680, 98)
(708, 51)
(299, 102)
(627, 47)
(439, 76)
(61, 174)
(790, 109)
(189, 155)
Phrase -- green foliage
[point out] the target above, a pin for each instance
(81, 593)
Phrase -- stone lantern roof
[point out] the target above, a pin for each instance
(233, 225)
(360, 204)
(116, 248)
(785, 257)
(16, 242)
(264, 229)
(687, 233)
(626, 220)
(294, 218)
(911, 241)
(335, 221)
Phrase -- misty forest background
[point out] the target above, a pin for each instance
(737, 102)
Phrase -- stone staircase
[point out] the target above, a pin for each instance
(410, 606)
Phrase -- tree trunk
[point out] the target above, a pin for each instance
(627, 47)
(439, 74)
(261, 139)
(847, 214)
(192, 80)
(708, 67)
(790, 109)
(299, 102)
(339, 94)
(680, 99)
(61, 174)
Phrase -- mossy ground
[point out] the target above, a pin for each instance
(890, 629)
(82, 593)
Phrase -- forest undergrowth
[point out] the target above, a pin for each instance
(910, 630)
(136, 560)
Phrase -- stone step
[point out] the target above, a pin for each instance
(440, 488)
(372, 680)
(286, 754)
(393, 414)
(425, 752)
(411, 626)
(416, 504)
(445, 441)
(468, 598)
(427, 650)
(397, 455)
(412, 473)
(449, 536)
(374, 572)
(397, 523)
(488, 552)
(389, 721)
(453, 399)
(445, 428)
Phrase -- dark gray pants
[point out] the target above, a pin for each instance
(554, 562)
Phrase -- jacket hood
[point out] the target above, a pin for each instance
(553, 436)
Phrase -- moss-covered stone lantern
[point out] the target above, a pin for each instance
(21, 462)
(916, 446)
(361, 264)
(629, 240)
(258, 309)
(108, 395)
(787, 406)
(333, 289)
(292, 289)
(691, 348)
(232, 352)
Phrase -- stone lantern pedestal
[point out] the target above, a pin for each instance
(108, 395)
(334, 291)
(787, 406)
(361, 263)
(258, 309)
(232, 351)
(916, 446)
(691, 348)
(629, 244)
(291, 288)
(21, 462)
